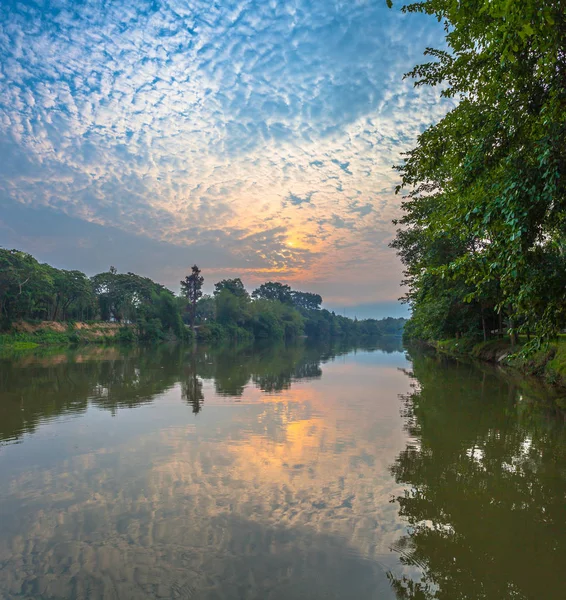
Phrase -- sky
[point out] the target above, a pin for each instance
(253, 138)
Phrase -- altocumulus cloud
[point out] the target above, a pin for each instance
(265, 128)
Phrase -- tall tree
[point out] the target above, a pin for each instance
(485, 214)
(191, 288)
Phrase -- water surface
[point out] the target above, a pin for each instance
(277, 473)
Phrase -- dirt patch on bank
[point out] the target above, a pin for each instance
(93, 329)
(25, 327)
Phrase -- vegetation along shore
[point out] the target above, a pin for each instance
(483, 231)
(43, 305)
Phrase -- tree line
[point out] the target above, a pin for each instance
(483, 234)
(33, 291)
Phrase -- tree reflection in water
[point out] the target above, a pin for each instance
(269, 494)
(486, 488)
(191, 386)
(36, 388)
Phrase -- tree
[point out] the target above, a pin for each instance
(228, 308)
(273, 291)
(191, 289)
(169, 313)
(485, 212)
(306, 300)
(70, 287)
(232, 302)
(24, 283)
(234, 286)
(206, 309)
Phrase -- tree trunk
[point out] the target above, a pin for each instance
(512, 333)
(483, 324)
(55, 309)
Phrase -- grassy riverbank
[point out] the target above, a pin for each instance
(29, 335)
(548, 363)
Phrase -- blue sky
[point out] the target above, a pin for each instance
(255, 138)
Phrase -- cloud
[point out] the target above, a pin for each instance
(297, 200)
(362, 210)
(344, 166)
(205, 125)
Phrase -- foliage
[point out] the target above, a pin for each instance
(232, 308)
(234, 286)
(39, 292)
(547, 363)
(149, 312)
(275, 320)
(273, 291)
(211, 333)
(483, 235)
(306, 300)
(206, 309)
(191, 288)
(125, 335)
(42, 337)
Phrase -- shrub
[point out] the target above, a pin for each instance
(75, 338)
(125, 335)
(211, 332)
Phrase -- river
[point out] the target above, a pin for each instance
(277, 473)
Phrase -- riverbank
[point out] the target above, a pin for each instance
(548, 363)
(25, 335)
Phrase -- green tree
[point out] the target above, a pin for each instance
(273, 291)
(231, 308)
(485, 212)
(24, 285)
(70, 287)
(234, 286)
(306, 300)
(206, 309)
(191, 289)
(169, 314)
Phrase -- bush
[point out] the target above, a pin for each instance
(238, 334)
(150, 330)
(125, 335)
(75, 338)
(211, 332)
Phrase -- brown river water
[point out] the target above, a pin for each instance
(277, 472)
